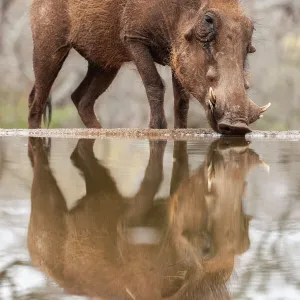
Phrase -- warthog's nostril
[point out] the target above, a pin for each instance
(233, 129)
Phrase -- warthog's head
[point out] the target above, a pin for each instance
(209, 59)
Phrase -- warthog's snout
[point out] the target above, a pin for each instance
(238, 128)
(232, 117)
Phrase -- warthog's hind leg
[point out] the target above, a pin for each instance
(95, 83)
(47, 62)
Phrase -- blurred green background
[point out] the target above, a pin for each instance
(274, 69)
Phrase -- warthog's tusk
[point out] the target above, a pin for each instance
(266, 167)
(212, 99)
(212, 95)
(265, 108)
(211, 105)
(261, 116)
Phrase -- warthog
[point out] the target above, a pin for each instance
(205, 42)
(183, 247)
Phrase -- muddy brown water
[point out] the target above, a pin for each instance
(208, 218)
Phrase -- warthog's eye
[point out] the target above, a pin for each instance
(209, 19)
(203, 31)
(207, 30)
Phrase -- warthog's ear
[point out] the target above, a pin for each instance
(251, 49)
(190, 32)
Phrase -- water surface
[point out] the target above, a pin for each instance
(138, 219)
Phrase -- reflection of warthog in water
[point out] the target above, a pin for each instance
(182, 247)
(220, 183)
(205, 42)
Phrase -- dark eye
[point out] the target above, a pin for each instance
(206, 32)
(208, 19)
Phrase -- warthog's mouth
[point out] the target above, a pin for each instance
(237, 128)
(224, 126)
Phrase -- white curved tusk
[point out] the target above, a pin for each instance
(265, 108)
(211, 105)
(210, 177)
(212, 95)
(266, 167)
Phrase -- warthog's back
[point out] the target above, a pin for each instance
(91, 27)
(95, 30)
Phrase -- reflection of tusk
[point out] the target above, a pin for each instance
(129, 293)
(212, 95)
(173, 209)
(209, 184)
(210, 177)
(266, 166)
(265, 108)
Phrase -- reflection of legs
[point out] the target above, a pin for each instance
(47, 233)
(46, 68)
(97, 177)
(46, 146)
(44, 186)
(95, 83)
(180, 165)
(153, 177)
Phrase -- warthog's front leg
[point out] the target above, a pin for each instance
(181, 104)
(152, 81)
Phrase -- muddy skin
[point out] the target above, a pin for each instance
(93, 250)
(193, 37)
